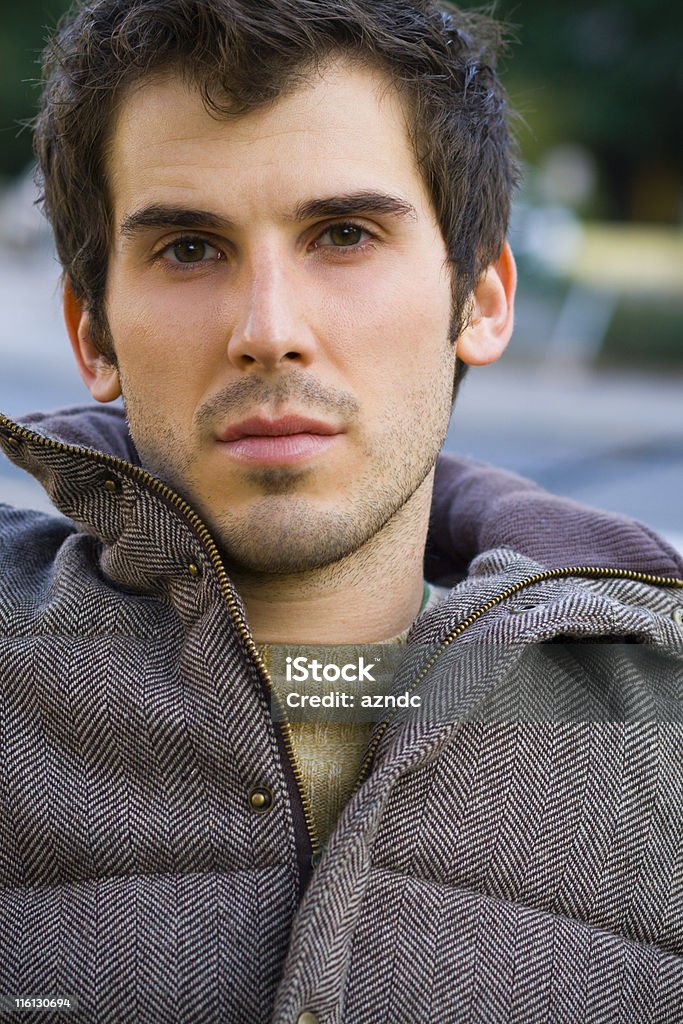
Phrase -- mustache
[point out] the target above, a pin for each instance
(295, 387)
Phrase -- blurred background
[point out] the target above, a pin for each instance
(588, 400)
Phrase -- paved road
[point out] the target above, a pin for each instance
(615, 441)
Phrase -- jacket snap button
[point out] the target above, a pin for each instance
(193, 569)
(677, 616)
(307, 1018)
(260, 798)
(13, 442)
(112, 485)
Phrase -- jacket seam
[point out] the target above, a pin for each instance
(468, 890)
(31, 886)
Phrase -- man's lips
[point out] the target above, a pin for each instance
(257, 426)
(278, 442)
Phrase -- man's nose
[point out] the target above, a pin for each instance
(270, 330)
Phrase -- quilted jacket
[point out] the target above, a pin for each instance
(514, 854)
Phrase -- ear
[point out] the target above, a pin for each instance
(99, 375)
(490, 327)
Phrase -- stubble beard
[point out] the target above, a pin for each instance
(284, 533)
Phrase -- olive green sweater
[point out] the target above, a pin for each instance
(329, 754)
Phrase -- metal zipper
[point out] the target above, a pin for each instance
(548, 574)
(205, 538)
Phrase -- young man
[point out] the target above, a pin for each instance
(283, 228)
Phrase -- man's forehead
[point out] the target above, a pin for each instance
(341, 131)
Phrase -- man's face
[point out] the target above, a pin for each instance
(245, 300)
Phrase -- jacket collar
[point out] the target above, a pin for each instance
(84, 456)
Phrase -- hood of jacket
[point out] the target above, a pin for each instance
(475, 507)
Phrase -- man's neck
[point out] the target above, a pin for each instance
(371, 595)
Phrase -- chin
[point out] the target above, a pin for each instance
(298, 538)
(279, 556)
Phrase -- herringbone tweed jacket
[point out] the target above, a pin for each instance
(514, 855)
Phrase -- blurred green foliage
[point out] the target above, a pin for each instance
(608, 74)
(23, 31)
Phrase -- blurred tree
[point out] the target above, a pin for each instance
(608, 75)
(23, 32)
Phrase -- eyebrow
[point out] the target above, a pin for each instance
(158, 215)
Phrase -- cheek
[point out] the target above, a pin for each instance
(393, 324)
(163, 350)
(415, 346)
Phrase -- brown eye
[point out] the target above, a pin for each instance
(189, 250)
(345, 234)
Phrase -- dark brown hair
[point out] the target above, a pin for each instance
(243, 54)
